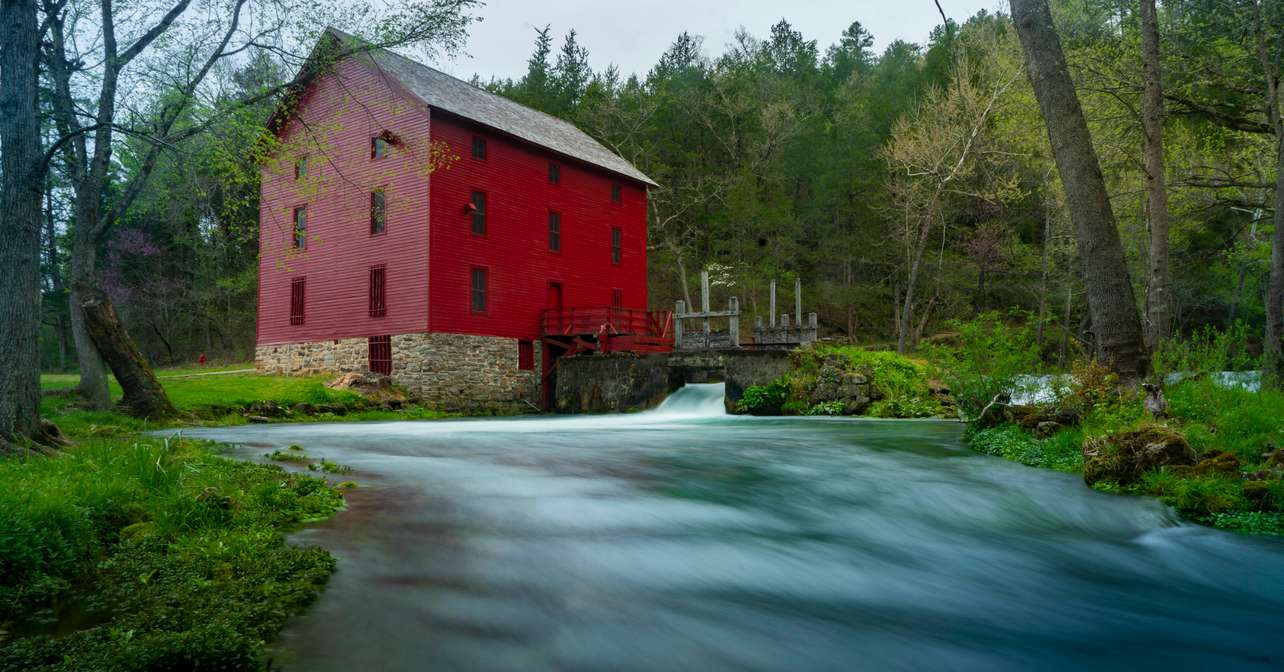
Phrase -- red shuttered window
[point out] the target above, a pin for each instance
(377, 221)
(378, 291)
(479, 289)
(479, 213)
(525, 355)
(554, 173)
(555, 231)
(617, 245)
(617, 298)
(298, 290)
(380, 354)
(301, 227)
(479, 147)
(616, 196)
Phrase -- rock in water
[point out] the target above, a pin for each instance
(1125, 456)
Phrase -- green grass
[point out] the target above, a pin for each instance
(219, 400)
(149, 554)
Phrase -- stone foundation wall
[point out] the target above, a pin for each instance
(457, 372)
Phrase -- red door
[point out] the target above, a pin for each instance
(554, 306)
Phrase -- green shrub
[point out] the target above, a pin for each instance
(1206, 351)
(1060, 451)
(764, 399)
(988, 356)
(826, 408)
(904, 407)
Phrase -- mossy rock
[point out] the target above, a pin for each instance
(1030, 417)
(1265, 495)
(1213, 463)
(1125, 456)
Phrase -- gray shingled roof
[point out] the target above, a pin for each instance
(458, 97)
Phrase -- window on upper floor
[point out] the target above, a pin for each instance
(480, 289)
(615, 193)
(298, 292)
(554, 173)
(479, 147)
(377, 214)
(378, 291)
(378, 147)
(617, 245)
(300, 238)
(478, 210)
(555, 231)
(300, 167)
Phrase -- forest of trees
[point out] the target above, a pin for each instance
(906, 187)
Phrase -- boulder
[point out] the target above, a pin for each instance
(1217, 462)
(834, 382)
(1046, 428)
(1029, 417)
(1125, 456)
(373, 386)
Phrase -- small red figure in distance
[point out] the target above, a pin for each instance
(201, 360)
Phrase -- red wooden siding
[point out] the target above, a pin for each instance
(519, 195)
(336, 189)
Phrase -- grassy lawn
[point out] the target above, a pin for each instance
(217, 399)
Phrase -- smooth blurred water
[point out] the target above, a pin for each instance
(686, 539)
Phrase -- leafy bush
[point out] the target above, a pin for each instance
(988, 357)
(764, 399)
(1207, 351)
(904, 407)
(826, 408)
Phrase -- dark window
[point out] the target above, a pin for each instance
(301, 167)
(479, 147)
(525, 355)
(301, 227)
(554, 173)
(479, 213)
(298, 291)
(617, 242)
(555, 231)
(479, 288)
(380, 354)
(378, 147)
(378, 292)
(615, 193)
(376, 211)
(617, 298)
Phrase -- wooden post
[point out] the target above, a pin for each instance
(704, 301)
(784, 320)
(811, 320)
(679, 309)
(733, 326)
(757, 322)
(798, 301)
(772, 305)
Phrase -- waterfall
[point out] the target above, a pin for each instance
(694, 400)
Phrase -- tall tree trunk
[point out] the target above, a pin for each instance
(62, 317)
(21, 186)
(1043, 275)
(144, 396)
(1159, 285)
(1271, 374)
(1111, 301)
(93, 374)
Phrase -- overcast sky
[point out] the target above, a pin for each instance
(633, 34)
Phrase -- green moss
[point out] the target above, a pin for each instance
(147, 553)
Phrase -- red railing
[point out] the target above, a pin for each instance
(609, 320)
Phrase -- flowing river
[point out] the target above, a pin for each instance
(683, 538)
